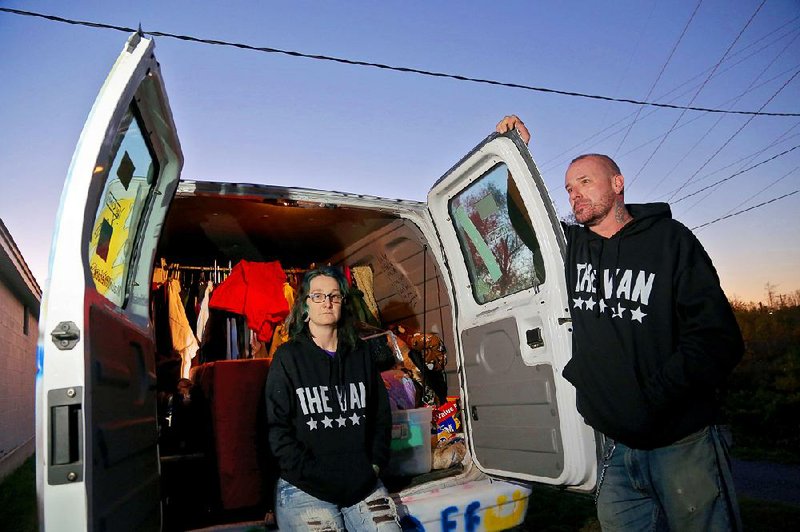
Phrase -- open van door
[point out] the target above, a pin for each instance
(504, 247)
(96, 434)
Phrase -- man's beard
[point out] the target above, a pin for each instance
(595, 212)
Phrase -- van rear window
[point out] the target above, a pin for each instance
(130, 176)
(497, 239)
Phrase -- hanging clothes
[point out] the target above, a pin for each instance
(255, 290)
(160, 277)
(233, 340)
(202, 314)
(216, 336)
(364, 281)
(281, 335)
(183, 339)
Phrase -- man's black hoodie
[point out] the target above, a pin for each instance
(653, 334)
(328, 420)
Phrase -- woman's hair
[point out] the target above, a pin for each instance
(296, 321)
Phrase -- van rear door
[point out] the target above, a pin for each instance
(97, 456)
(504, 247)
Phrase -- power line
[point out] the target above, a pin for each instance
(730, 138)
(781, 178)
(734, 175)
(721, 117)
(661, 73)
(747, 158)
(696, 94)
(409, 70)
(744, 210)
(559, 159)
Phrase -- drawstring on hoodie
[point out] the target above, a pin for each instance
(598, 266)
(601, 293)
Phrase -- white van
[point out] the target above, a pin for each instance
(481, 264)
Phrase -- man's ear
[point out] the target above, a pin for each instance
(618, 183)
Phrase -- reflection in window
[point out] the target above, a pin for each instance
(497, 239)
(130, 176)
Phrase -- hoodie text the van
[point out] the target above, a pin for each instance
(653, 334)
(328, 419)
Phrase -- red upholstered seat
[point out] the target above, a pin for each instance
(234, 390)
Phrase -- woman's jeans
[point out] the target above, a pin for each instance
(685, 486)
(297, 510)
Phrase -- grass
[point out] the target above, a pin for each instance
(760, 453)
(554, 510)
(551, 509)
(18, 499)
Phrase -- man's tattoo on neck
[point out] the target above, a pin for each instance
(620, 213)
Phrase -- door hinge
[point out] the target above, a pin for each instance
(66, 335)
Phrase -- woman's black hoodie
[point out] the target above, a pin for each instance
(653, 334)
(328, 420)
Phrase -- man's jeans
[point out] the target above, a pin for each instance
(685, 486)
(297, 510)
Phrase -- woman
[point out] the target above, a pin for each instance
(329, 422)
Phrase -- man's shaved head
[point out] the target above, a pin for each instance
(607, 161)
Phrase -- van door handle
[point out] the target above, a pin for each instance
(534, 338)
(562, 321)
(65, 450)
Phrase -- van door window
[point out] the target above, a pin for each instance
(496, 236)
(132, 171)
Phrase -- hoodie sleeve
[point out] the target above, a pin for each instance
(709, 342)
(292, 456)
(382, 434)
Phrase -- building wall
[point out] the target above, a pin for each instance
(17, 381)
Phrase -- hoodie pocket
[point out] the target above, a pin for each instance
(347, 476)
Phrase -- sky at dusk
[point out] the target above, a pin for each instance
(247, 116)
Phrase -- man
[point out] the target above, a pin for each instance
(653, 337)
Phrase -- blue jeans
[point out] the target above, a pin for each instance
(297, 510)
(686, 486)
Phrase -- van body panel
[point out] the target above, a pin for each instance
(97, 454)
(484, 504)
(504, 248)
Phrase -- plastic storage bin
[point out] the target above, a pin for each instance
(411, 442)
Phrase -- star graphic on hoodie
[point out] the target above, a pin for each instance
(637, 315)
(312, 424)
(355, 418)
(603, 306)
(341, 421)
(619, 311)
(328, 422)
(578, 302)
(590, 304)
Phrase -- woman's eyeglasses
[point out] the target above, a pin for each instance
(318, 297)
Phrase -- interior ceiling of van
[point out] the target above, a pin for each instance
(201, 229)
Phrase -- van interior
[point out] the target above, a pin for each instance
(215, 466)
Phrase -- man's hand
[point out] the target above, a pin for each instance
(514, 122)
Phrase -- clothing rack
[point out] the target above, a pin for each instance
(182, 267)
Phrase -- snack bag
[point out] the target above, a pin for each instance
(446, 420)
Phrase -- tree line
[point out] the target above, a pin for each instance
(761, 401)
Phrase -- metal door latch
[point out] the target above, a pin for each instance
(66, 335)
